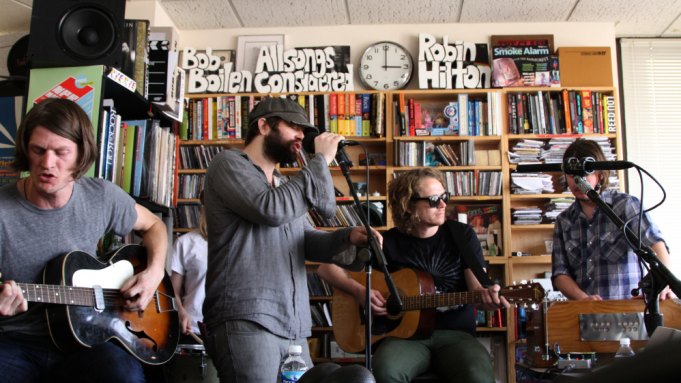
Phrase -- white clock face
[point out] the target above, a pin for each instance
(386, 66)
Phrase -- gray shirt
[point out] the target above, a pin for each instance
(30, 237)
(258, 240)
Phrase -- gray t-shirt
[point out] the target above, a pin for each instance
(30, 237)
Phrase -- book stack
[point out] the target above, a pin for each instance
(555, 206)
(187, 216)
(473, 183)
(554, 151)
(303, 159)
(526, 152)
(226, 117)
(317, 286)
(479, 116)
(321, 315)
(197, 157)
(562, 112)
(190, 185)
(531, 183)
(346, 216)
(526, 215)
(137, 155)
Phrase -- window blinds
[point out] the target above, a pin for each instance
(651, 85)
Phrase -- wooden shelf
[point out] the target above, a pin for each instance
(476, 198)
(188, 200)
(183, 230)
(192, 171)
(519, 137)
(542, 226)
(447, 138)
(524, 197)
(333, 170)
(212, 142)
(490, 329)
(451, 168)
(534, 259)
(312, 298)
(496, 260)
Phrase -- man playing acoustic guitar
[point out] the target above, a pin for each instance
(423, 242)
(52, 212)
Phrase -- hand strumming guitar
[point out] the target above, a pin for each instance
(12, 302)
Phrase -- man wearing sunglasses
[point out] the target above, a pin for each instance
(421, 241)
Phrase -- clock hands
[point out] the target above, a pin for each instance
(386, 59)
(388, 66)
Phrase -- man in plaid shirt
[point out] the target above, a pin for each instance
(591, 257)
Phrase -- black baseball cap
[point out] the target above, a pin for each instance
(288, 110)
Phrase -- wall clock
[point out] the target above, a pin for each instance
(386, 65)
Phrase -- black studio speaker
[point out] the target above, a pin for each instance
(74, 32)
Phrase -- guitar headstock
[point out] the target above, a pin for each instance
(520, 294)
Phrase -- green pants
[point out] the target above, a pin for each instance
(455, 355)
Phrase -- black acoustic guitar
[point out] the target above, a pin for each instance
(85, 307)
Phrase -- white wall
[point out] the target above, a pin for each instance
(359, 37)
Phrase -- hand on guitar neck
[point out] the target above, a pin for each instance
(12, 302)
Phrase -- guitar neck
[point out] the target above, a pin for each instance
(440, 300)
(65, 295)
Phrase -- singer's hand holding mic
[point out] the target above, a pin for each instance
(326, 144)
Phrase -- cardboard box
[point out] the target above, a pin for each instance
(585, 66)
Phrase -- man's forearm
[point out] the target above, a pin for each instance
(338, 278)
(155, 241)
(569, 287)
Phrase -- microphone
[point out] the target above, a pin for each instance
(308, 143)
(574, 166)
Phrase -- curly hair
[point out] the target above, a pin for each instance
(402, 189)
(64, 118)
(582, 148)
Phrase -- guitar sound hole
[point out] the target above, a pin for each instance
(392, 307)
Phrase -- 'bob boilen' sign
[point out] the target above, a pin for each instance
(276, 71)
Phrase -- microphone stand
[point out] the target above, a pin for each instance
(659, 273)
(368, 255)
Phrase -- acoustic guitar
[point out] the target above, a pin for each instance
(84, 305)
(416, 318)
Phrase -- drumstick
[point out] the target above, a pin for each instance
(196, 337)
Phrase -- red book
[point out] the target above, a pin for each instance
(412, 124)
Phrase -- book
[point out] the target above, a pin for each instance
(129, 158)
(341, 113)
(333, 113)
(587, 112)
(567, 115)
(366, 115)
(358, 115)
(463, 114)
(350, 129)
(610, 116)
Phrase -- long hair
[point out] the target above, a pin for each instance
(582, 148)
(64, 118)
(203, 225)
(402, 189)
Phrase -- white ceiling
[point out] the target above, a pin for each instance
(642, 18)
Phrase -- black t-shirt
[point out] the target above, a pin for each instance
(438, 256)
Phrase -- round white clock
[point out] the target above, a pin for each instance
(386, 65)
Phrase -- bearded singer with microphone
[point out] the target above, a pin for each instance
(257, 302)
(591, 258)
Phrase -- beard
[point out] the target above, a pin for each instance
(277, 150)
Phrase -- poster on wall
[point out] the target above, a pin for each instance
(82, 85)
(10, 118)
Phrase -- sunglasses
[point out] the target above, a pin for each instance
(434, 201)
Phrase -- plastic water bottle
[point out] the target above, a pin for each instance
(625, 348)
(294, 366)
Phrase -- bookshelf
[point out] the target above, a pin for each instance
(527, 238)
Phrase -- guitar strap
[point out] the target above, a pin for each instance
(456, 229)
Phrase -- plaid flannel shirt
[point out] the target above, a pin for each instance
(594, 253)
